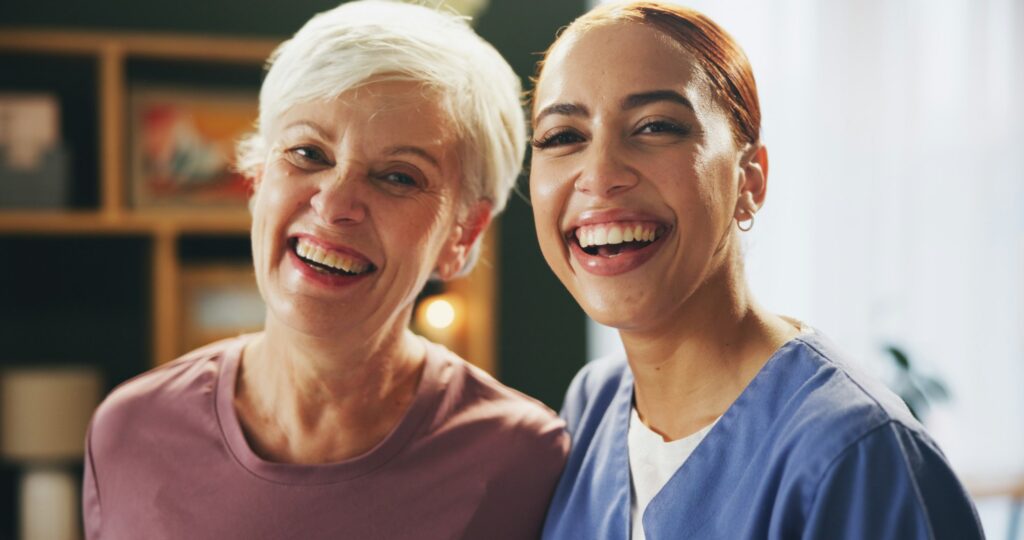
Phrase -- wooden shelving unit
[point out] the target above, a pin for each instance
(114, 216)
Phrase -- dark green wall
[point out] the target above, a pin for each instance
(542, 341)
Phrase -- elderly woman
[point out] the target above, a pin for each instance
(723, 420)
(389, 135)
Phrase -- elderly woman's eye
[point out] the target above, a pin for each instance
(400, 179)
(309, 154)
(559, 138)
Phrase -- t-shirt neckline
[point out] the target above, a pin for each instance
(425, 402)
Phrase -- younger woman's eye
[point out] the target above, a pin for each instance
(559, 138)
(662, 126)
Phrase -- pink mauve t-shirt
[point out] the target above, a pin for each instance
(167, 458)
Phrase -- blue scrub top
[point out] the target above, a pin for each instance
(810, 449)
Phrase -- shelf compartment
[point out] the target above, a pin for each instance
(125, 223)
(73, 81)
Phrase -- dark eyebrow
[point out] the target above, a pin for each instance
(567, 109)
(633, 101)
(415, 150)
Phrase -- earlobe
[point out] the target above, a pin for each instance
(255, 179)
(753, 186)
(456, 252)
(452, 256)
(254, 184)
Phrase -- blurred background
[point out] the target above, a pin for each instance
(894, 221)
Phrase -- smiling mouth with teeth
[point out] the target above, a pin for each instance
(613, 239)
(327, 261)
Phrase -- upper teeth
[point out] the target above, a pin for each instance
(616, 233)
(334, 259)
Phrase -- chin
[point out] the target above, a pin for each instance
(303, 318)
(615, 311)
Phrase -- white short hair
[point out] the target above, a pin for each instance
(346, 47)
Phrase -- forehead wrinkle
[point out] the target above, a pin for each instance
(414, 150)
(309, 126)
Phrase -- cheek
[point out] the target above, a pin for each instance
(548, 196)
(276, 201)
(280, 195)
(718, 186)
(421, 231)
(695, 187)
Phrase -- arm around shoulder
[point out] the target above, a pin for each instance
(893, 483)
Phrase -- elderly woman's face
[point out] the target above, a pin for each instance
(634, 174)
(355, 207)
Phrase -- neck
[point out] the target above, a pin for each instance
(318, 399)
(690, 368)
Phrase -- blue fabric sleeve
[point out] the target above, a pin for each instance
(893, 483)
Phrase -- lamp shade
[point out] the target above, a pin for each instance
(45, 412)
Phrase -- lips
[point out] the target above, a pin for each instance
(329, 259)
(615, 235)
(614, 242)
(328, 263)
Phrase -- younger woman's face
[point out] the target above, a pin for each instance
(635, 174)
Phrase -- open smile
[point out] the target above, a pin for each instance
(615, 247)
(333, 265)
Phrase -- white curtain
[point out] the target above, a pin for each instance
(895, 210)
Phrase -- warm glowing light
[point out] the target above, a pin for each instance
(440, 313)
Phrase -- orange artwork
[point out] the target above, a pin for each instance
(184, 148)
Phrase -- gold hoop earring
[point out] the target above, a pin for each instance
(739, 224)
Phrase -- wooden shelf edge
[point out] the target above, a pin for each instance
(154, 45)
(129, 223)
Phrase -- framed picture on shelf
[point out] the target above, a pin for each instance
(218, 301)
(33, 160)
(183, 147)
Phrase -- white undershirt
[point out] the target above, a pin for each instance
(652, 461)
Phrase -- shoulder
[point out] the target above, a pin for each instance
(832, 404)
(892, 482)
(844, 428)
(594, 388)
(473, 400)
(841, 452)
(162, 393)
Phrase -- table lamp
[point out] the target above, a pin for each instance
(44, 414)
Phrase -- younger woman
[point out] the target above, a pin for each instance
(724, 420)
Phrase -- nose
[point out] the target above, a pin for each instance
(339, 197)
(605, 173)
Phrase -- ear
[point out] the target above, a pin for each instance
(753, 182)
(456, 250)
(254, 186)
